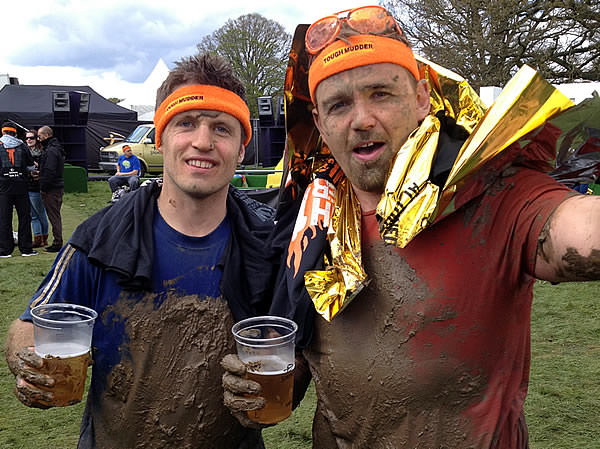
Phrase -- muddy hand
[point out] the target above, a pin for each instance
(28, 365)
(32, 396)
(236, 388)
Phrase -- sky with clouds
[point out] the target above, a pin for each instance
(113, 44)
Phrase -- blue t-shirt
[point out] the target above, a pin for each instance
(190, 261)
(183, 265)
(129, 164)
(154, 352)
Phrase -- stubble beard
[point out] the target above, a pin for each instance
(370, 176)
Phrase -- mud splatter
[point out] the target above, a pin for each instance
(581, 267)
(167, 387)
(574, 265)
(544, 246)
(376, 388)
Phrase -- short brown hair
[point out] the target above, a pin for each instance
(207, 68)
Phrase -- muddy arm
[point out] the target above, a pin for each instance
(25, 365)
(302, 378)
(20, 335)
(569, 245)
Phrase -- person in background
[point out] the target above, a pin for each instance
(128, 171)
(52, 183)
(15, 165)
(168, 268)
(39, 220)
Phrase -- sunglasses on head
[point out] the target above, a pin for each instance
(364, 20)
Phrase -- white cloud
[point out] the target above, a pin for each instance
(114, 44)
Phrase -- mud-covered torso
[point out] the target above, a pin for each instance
(156, 376)
(165, 391)
(434, 352)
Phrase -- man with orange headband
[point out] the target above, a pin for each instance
(169, 268)
(128, 171)
(434, 350)
(15, 164)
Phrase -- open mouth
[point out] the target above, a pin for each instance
(368, 149)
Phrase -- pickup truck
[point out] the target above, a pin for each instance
(141, 141)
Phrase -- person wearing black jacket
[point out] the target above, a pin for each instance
(169, 268)
(15, 164)
(52, 184)
(39, 219)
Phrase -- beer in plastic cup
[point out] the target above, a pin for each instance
(265, 344)
(62, 337)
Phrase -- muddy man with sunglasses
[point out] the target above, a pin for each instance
(434, 351)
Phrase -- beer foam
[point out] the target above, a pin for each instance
(63, 350)
(268, 365)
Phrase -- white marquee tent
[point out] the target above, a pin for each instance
(143, 96)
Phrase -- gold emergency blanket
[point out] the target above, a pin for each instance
(331, 290)
(411, 202)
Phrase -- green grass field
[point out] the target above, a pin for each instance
(563, 407)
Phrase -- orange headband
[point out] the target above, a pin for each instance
(9, 128)
(363, 50)
(202, 96)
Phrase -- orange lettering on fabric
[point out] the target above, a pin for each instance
(316, 210)
(349, 49)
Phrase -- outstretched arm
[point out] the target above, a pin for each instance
(569, 244)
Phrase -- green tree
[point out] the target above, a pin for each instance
(487, 41)
(115, 100)
(257, 48)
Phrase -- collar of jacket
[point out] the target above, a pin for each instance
(128, 226)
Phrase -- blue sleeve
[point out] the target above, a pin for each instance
(135, 164)
(72, 279)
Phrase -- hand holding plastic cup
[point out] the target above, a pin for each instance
(265, 344)
(62, 337)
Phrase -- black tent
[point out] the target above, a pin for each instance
(80, 117)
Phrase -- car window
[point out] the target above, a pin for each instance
(151, 135)
(137, 134)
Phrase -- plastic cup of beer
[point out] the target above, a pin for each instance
(265, 344)
(62, 337)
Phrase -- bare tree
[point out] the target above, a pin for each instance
(486, 41)
(258, 49)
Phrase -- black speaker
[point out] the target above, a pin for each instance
(60, 101)
(251, 154)
(61, 107)
(84, 102)
(280, 111)
(80, 105)
(272, 144)
(265, 111)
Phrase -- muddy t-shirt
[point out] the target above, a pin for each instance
(435, 352)
(156, 379)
